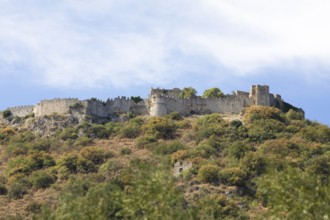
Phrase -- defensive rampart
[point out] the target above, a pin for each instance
(159, 102)
(22, 111)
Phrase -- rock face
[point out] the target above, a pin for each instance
(159, 102)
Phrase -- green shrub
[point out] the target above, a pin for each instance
(83, 141)
(203, 150)
(7, 113)
(136, 99)
(317, 133)
(291, 194)
(253, 164)
(69, 134)
(160, 127)
(239, 149)
(213, 93)
(70, 162)
(3, 189)
(86, 166)
(97, 131)
(170, 147)
(217, 207)
(188, 92)
(96, 155)
(294, 115)
(145, 141)
(130, 131)
(113, 127)
(41, 179)
(255, 113)
(110, 166)
(208, 173)
(33, 207)
(233, 176)
(176, 116)
(41, 145)
(236, 123)
(125, 151)
(19, 188)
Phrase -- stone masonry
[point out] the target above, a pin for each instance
(159, 102)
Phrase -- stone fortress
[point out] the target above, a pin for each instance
(159, 102)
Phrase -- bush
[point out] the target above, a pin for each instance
(3, 189)
(169, 148)
(69, 134)
(125, 151)
(233, 176)
(18, 189)
(70, 163)
(41, 179)
(7, 113)
(41, 145)
(83, 141)
(253, 164)
(318, 133)
(95, 154)
(293, 115)
(208, 173)
(145, 141)
(97, 131)
(160, 127)
(136, 99)
(238, 150)
(130, 131)
(174, 116)
(213, 93)
(255, 113)
(188, 92)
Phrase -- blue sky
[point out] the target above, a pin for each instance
(110, 48)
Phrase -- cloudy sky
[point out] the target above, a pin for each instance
(109, 48)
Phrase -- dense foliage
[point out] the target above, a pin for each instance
(268, 165)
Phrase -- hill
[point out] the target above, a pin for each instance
(261, 164)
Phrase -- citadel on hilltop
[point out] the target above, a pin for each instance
(159, 102)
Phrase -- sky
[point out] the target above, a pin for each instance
(109, 48)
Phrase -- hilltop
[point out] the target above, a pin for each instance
(159, 102)
(214, 166)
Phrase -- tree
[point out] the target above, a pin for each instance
(188, 92)
(213, 93)
(291, 194)
(7, 113)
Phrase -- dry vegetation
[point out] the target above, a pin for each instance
(129, 167)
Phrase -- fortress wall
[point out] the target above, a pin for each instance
(96, 107)
(59, 106)
(116, 106)
(22, 111)
(198, 105)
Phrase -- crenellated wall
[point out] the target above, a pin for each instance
(54, 106)
(159, 102)
(21, 111)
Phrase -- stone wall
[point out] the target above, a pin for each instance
(161, 105)
(160, 102)
(22, 111)
(54, 106)
(114, 107)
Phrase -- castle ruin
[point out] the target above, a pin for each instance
(160, 102)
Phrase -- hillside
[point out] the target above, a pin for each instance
(262, 164)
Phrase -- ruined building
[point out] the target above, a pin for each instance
(159, 102)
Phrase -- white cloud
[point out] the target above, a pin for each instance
(123, 43)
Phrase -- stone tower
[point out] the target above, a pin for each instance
(157, 104)
(260, 95)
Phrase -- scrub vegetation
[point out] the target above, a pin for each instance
(267, 165)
